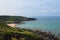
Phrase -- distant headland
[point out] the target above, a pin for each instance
(15, 19)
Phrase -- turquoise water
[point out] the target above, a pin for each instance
(43, 23)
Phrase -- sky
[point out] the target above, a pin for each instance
(30, 7)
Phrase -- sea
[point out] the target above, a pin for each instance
(48, 24)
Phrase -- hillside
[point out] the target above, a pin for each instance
(15, 18)
(9, 33)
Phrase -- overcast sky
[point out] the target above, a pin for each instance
(30, 7)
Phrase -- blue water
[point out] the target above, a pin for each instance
(43, 23)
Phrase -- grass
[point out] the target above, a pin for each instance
(6, 30)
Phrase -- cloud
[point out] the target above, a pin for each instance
(43, 11)
(28, 7)
(7, 11)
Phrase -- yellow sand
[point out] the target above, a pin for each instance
(11, 25)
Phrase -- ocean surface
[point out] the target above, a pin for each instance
(48, 24)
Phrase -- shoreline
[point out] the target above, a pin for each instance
(13, 25)
(43, 34)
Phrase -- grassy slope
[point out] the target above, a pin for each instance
(6, 30)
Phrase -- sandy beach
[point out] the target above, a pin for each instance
(12, 25)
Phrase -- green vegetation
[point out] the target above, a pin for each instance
(12, 18)
(16, 19)
(8, 33)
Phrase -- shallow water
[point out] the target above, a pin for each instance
(43, 23)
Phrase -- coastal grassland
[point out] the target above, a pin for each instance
(9, 33)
